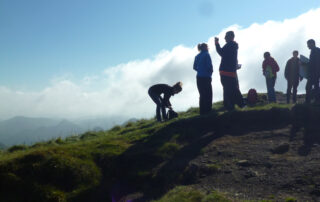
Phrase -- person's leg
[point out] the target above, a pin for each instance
(237, 96)
(207, 95)
(200, 85)
(227, 92)
(156, 99)
(308, 91)
(273, 92)
(316, 90)
(295, 90)
(163, 111)
(289, 87)
(269, 86)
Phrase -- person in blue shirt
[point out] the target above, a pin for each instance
(203, 66)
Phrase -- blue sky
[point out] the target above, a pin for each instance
(43, 39)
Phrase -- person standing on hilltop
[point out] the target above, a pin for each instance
(203, 66)
(228, 71)
(312, 86)
(291, 73)
(270, 68)
(155, 92)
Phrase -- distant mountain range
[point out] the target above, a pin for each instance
(26, 130)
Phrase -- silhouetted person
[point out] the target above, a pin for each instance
(312, 86)
(228, 71)
(270, 68)
(203, 66)
(291, 73)
(155, 93)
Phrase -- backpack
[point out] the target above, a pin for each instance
(252, 97)
(172, 114)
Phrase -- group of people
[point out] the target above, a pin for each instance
(229, 79)
(293, 74)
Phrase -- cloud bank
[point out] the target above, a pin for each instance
(122, 89)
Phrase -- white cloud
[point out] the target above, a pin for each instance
(123, 88)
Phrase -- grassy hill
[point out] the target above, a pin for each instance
(267, 152)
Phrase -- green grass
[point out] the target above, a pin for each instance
(70, 169)
(189, 194)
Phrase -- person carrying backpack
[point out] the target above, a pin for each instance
(203, 66)
(155, 93)
(270, 68)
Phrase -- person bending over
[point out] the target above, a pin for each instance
(155, 93)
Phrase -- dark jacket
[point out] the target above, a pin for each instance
(229, 55)
(291, 72)
(164, 89)
(270, 62)
(314, 62)
(203, 64)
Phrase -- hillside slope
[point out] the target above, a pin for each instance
(268, 152)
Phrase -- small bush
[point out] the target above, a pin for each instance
(59, 140)
(17, 148)
(88, 135)
(130, 124)
(115, 128)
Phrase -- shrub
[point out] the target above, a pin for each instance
(88, 135)
(17, 148)
(115, 128)
(59, 140)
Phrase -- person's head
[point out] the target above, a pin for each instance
(295, 53)
(204, 47)
(177, 88)
(266, 55)
(229, 36)
(199, 47)
(311, 43)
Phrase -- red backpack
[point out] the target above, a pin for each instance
(252, 96)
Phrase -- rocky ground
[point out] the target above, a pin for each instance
(261, 165)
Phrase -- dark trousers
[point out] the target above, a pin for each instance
(205, 91)
(160, 105)
(270, 88)
(231, 92)
(312, 89)
(292, 86)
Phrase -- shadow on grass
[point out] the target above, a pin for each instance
(143, 170)
(306, 118)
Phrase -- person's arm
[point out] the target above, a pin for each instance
(286, 70)
(264, 65)
(276, 66)
(312, 60)
(209, 63)
(219, 49)
(166, 99)
(195, 63)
